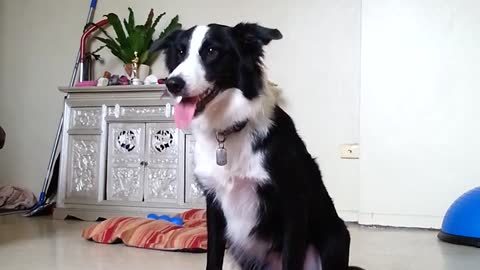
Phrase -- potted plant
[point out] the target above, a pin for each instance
(137, 38)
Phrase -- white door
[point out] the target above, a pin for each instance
(163, 173)
(125, 167)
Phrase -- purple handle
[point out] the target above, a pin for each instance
(93, 4)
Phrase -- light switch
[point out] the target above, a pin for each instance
(350, 151)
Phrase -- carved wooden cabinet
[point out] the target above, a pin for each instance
(122, 155)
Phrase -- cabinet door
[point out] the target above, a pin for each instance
(83, 168)
(193, 192)
(163, 174)
(125, 170)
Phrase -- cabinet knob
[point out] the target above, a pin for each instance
(144, 163)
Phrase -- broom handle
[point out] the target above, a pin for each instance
(56, 144)
(91, 11)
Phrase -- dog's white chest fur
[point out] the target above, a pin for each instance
(234, 184)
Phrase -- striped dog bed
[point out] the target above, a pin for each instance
(153, 234)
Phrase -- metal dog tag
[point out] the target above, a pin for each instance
(221, 156)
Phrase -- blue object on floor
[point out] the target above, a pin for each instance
(461, 224)
(175, 220)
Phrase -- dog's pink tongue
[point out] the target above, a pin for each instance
(184, 112)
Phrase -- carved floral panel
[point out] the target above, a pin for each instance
(86, 117)
(161, 184)
(126, 184)
(84, 166)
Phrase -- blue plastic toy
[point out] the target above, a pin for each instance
(175, 220)
(461, 224)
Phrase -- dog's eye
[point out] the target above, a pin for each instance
(180, 52)
(212, 52)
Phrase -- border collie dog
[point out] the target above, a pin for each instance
(264, 191)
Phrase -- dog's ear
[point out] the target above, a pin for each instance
(252, 33)
(164, 43)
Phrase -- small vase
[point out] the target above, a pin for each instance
(143, 71)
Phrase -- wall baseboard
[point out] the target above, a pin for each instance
(394, 220)
(391, 220)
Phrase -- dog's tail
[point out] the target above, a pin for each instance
(355, 268)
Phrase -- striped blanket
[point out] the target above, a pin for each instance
(153, 234)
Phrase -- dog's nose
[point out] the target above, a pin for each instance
(175, 85)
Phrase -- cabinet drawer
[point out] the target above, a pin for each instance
(86, 118)
(145, 113)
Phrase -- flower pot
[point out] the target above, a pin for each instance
(143, 71)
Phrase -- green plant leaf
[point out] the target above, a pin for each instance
(172, 26)
(151, 30)
(152, 56)
(111, 44)
(103, 31)
(120, 56)
(157, 20)
(137, 39)
(131, 19)
(144, 57)
(114, 47)
(117, 26)
(149, 21)
(98, 49)
(127, 27)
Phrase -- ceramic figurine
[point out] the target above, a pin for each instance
(107, 74)
(124, 80)
(136, 80)
(151, 79)
(102, 82)
(114, 80)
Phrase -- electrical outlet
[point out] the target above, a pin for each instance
(350, 151)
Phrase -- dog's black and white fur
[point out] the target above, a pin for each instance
(269, 202)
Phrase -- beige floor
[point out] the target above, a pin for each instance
(42, 243)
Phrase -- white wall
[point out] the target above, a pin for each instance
(419, 108)
(317, 63)
(418, 119)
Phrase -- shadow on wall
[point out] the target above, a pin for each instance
(2, 137)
